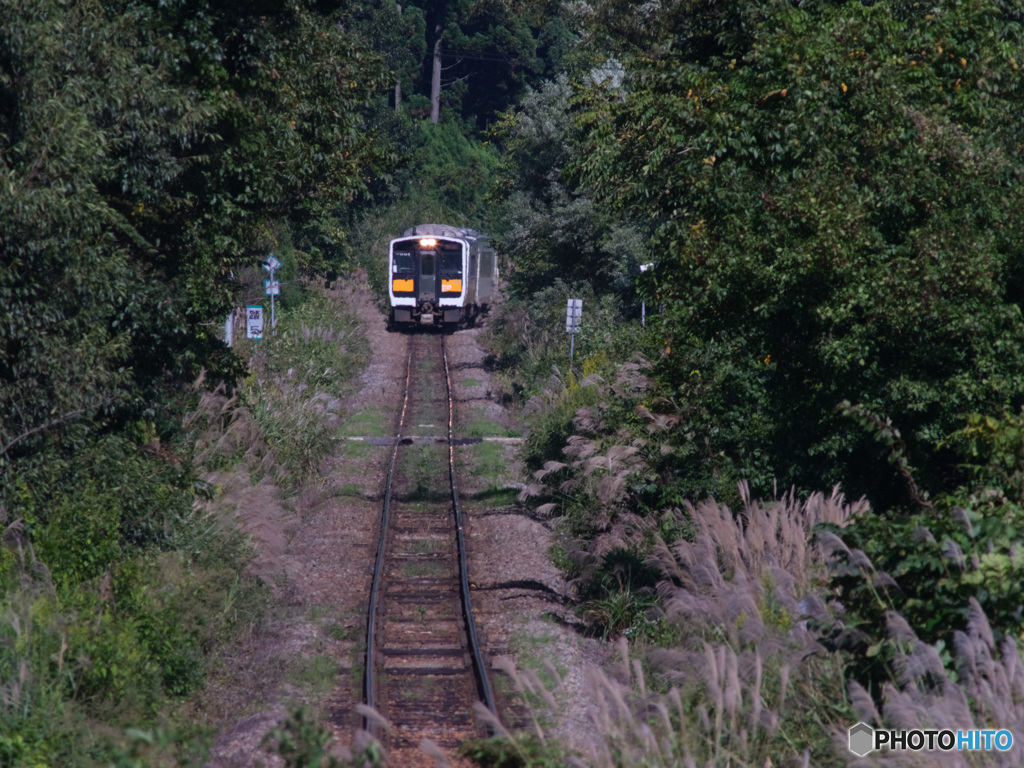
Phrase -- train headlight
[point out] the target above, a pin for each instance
(428, 242)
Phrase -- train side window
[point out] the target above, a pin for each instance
(487, 263)
(403, 263)
(426, 264)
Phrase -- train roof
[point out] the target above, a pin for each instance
(440, 230)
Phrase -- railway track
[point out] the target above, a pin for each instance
(424, 665)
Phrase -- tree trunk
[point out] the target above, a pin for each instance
(398, 78)
(435, 81)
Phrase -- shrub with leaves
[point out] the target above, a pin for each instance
(930, 563)
(926, 567)
(303, 742)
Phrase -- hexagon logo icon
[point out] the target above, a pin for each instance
(862, 738)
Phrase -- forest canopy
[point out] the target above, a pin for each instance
(148, 149)
(834, 193)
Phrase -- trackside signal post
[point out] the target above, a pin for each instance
(643, 303)
(573, 317)
(272, 287)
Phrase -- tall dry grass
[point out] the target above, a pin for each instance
(987, 694)
(748, 685)
(751, 574)
(751, 685)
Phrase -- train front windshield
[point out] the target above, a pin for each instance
(451, 260)
(450, 267)
(423, 261)
(403, 263)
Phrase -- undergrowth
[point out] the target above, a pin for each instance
(299, 373)
(94, 651)
(758, 632)
(752, 677)
(122, 576)
(302, 742)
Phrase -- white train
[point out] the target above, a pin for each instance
(440, 275)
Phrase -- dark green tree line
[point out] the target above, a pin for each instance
(834, 192)
(148, 152)
(550, 225)
(490, 51)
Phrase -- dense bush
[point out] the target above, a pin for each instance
(111, 649)
(833, 194)
(935, 564)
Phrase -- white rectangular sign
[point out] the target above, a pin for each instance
(254, 321)
(272, 287)
(573, 315)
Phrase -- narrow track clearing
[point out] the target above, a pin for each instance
(425, 669)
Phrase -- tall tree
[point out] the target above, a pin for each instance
(479, 55)
(835, 192)
(435, 77)
(147, 150)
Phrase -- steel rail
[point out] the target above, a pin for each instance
(467, 609)
(369, 677)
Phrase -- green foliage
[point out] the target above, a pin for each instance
(490, 53)
(149, 151)
(927, 565)
(114, 497)
(147, 154)
(304, 743)
(550, 227)
(300, 371)
(316, 336)
(112, 649)
(523, 750)
(993, 452)
(834, 192)
(529, 345)
(455, 168)
(623, 613)
(133, 192)
(936, 562)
